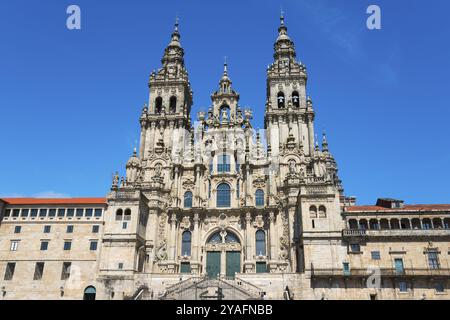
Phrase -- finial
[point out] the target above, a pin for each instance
(324, 141)
(177, 22)
(282, 16)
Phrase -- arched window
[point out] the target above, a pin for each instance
(363, 224)
(119, 215)
(259, 198)
(353, 224)
(426, 224)
(223, 163)
(188, 199)
(186, 244)
(295, 99)
(173, 104)
(374, 224)
(127, 215)
(89, 293)
(260, 243)
(313, 211)
(322, 212)
(280, 99)
(223, 196)
(158, 105)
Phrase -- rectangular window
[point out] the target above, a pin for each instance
(80, 212)
(38, 271)
(16, 213)
(433, 260)
(399, 269)
(124, 225)
(98, 213)
(47, 229)
(440, 287)
(65, 273)
(52, 213)
(69, 229)
(9, 273)
(34, 213)
(403, 286)
(61, 213)
(17, 229)
(120, 266)
(24, 213)
(44, 245)
(95, 229)
(346, 268)
(185, 267)
(89, 212)
(14, 245)
(93, 246)
(7, 213)
(67, 245)
(355, 247)
(42, 213)
(70, 212)
(376, 255)
(224, 163)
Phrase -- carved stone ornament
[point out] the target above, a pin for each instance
(188, 184)
(185, 223)
(259, 222)
(161, 253)
(259, 182)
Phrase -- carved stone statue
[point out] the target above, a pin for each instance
(161, 254)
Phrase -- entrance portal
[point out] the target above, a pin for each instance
(223, 255)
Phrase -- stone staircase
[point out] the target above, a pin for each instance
(202, 288)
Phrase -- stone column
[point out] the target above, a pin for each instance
(272, 236)
(311, 134)
(172, 239)
(176, 173)
(248, 265)
(196, 197)
(195, 248)
(142, 142)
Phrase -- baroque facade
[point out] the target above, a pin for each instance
(213, 204)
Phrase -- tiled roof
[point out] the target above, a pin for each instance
(413, 207)
(37, 201)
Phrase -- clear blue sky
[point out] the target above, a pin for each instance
(70, 100)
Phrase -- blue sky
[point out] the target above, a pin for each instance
(70, 100)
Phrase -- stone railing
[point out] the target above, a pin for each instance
(383, 272)
(126, 194)
(353, 233)
(396, 232)
(316, 190)
(184, 284)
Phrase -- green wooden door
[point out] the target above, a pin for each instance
(233, 263)
(212, 264)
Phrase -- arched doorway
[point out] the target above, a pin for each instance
(89, 293)
(223, 255)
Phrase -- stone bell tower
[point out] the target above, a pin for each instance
(288, 110)
(167, 117)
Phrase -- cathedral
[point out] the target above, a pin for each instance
(211, 208)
